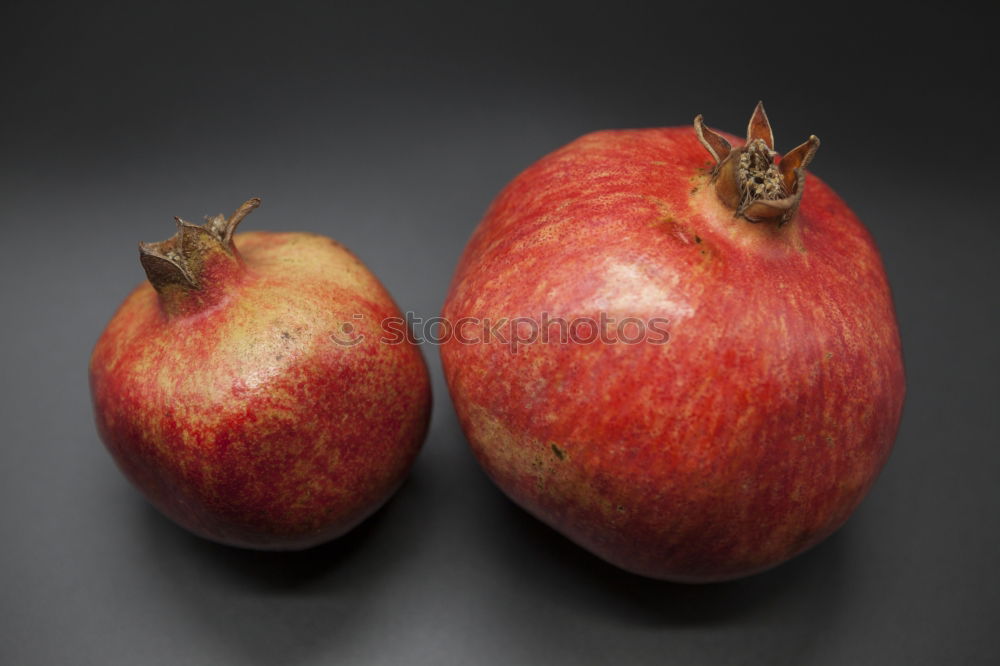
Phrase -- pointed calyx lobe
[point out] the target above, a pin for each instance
(747, 178)
(186, 269)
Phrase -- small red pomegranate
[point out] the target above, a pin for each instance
(246, 391)
(722, 379)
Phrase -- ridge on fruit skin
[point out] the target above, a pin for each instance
(222, 393)
(753, 433)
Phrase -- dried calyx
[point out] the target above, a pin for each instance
(747, 178)
(180, 260)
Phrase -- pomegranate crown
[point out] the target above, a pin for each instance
(747, 178)
(178, 260)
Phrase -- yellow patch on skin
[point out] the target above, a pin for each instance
(308, 256)
(514, 456)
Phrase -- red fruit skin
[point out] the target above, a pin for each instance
(243, 420)
(748, 437)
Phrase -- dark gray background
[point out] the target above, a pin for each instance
(391, 127)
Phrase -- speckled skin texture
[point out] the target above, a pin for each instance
(748, 437)
(240, 417)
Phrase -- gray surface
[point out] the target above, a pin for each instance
(391, 128)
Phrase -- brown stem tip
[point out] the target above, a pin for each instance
(747, 178)
(178, 261)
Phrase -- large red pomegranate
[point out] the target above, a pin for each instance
(752, 394)
(247, 391)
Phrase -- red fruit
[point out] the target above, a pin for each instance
(242, 393)
(756, 428)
